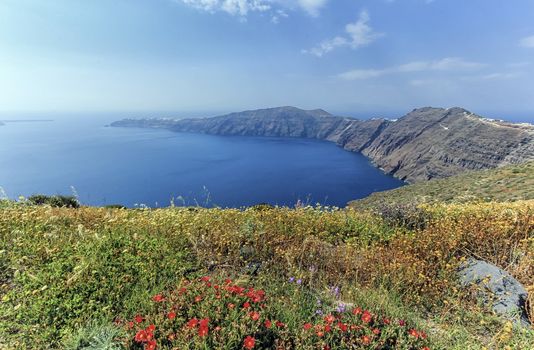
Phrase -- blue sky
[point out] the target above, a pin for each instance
(346, 56)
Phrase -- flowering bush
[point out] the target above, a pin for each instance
(216, 314)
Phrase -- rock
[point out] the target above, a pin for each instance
(504, 292)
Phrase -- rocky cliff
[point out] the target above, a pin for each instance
(426, 143)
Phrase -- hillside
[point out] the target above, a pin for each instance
(427, 143)
(194, 278)
(509, 183)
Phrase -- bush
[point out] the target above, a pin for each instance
(58, 201)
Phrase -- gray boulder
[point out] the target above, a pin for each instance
(498, 288)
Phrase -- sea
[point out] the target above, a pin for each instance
(78, 154)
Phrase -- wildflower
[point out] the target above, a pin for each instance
(319, 312)
(249, 342)
(341, 308)
(291, 279)
(376, 331)
(205, 278)
(342, 327)
(366, 316)
(254, 315)
(158, 298)
(151, 345)
(227, 281)
(151, 328)
(218, 328)
(141, 336)
(171, 315)
(387, 321)
(231, 306)
(246, 305)
(192, 323)
(413, 333)
(329, 319)
(267, 324)
(356, 311)
(327, 328)
(138, 318)
(320, 334)
(307, 326)
(402, 323)
(366, 340)
(299, 281)
(204, 322)
(425, 348)
(130, 325)
(198, 299)
(280, 324)
(202, 331)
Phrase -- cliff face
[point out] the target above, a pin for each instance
(426, 143)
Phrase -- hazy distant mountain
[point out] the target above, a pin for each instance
(424, 144)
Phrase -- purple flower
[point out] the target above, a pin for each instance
(299, 281)
(291, 279)
(335, 291)
(341, 308)
(319, 312)
(319, 301)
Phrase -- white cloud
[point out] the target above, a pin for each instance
(527, 42)
(445, 64)
(358, 34)
(312, 7)
(233, 7)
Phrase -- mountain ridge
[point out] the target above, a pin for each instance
(424, 144)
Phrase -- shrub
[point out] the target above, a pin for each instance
(58, 201)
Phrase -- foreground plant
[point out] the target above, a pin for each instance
(216, 314)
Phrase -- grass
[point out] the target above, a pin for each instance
(67, 274)
(510, 183)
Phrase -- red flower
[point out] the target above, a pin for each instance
(387, 321)
(320, 334)
(366, 340)
(202, 331)
(246, 305)
(218, 328)
(192, 323)
(402, 323)
(228, 281)
(307, 326)
(326, 347)
(329, 319)
(413, 333)
(254, 315)
(268, 324)
(231, 306)
(280, 324)
(130, 325)
(356, 311)
(151, 328)
(138, 318)
(327, 328)
(141, 336)
(366, 316)
(425, 348)
(198, 299)
(205, 279)
(151, 345)
(204, 322)
(343, 327)
(158, 298)
(376, 331)
(171, 315)
(422, 335)
(249, 342)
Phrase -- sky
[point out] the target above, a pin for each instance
(345, 56)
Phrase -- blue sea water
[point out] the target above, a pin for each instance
(105, 165)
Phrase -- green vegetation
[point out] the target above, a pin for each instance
(73, 278)
(510, 183)
(58, 201)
